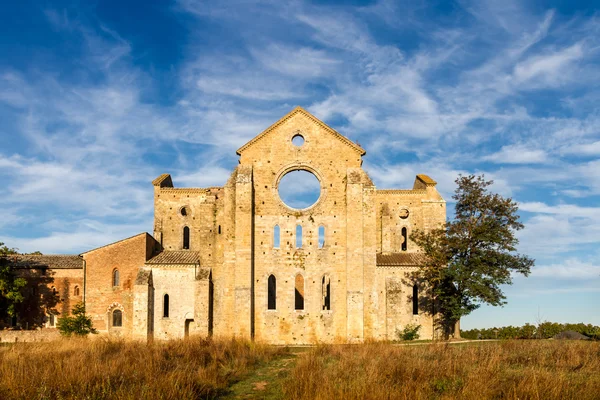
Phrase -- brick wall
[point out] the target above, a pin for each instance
(126, 256)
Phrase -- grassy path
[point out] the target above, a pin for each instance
(266, 381)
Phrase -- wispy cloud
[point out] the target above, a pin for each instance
(504, 89)
(517, 154)
(571, 269)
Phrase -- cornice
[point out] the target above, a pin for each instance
(402, 191)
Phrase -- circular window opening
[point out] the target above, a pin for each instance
(298, 140)
(185, 211)
(299, 189)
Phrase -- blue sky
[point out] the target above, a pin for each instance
(99, 98)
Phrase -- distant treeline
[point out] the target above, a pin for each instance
(544, 330)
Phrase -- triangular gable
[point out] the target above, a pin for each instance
(117, 242)
(301, 110)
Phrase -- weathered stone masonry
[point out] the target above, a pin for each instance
(213, 267)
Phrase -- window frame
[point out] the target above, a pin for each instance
(116, 278)
(415, 299)
(166, 305)
(297, 295)
(272, 300)
(186, 239)
(276, 236)
(113, 316)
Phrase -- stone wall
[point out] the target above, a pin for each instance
(40, 335)
(178, 282)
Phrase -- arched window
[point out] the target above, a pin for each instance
(186, 238)
(117, 318)
(299, 293)
(326, 292)
(415, 299)
(76, 291)
(115, 280)
(321, 236)
(404, 239)
(166, 306)
(298, 236)
(276, 237)
(272, 293)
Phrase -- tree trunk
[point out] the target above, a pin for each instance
(456, 334)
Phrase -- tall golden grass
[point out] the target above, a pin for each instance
(103, 369)
(492, 370)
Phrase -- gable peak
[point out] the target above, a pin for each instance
(301, 110)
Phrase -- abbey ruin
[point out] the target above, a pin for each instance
(237, 260)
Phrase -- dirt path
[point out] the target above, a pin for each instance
(265, 382)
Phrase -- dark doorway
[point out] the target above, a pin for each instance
(187, 327)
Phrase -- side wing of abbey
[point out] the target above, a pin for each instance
(238, 261)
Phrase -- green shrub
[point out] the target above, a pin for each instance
(79, 324)
(410, 332)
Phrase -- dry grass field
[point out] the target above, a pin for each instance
(101, 369)
(196, 369)
(485, 370)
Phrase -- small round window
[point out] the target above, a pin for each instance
(298, 140)
(185, 211)
(299, 189)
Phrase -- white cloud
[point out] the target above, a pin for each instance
(299, 62)
(585, 149)
(572, 269)
(206, 176)
(80, 238)
(561, 209)
(517, 154)
(92, 146)
(552, 68)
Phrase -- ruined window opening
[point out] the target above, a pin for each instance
(404, 239)
(186, 238)
(298, 236)
(326, 291)
(321, 236)
(299, 189)
(299, 293)
(415, 299)
(117, 318)
(276, 236)
(272, 293)
(76, 291)
(115, 280)
(166, 306)
(298, 140)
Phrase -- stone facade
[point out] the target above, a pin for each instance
(214, 266)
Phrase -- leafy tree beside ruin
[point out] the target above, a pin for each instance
(468, 259)
(10, 284)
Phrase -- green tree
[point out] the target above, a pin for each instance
(468, 259)
(78, 324)
(10, 284)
